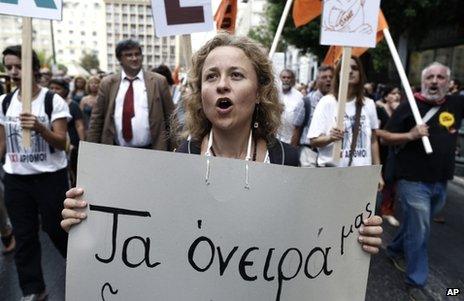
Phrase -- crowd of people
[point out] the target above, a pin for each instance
(229, 106)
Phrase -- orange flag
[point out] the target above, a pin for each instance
(304, 11)
(335, 52)
(226, 16)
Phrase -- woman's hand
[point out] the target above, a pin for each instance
(71, 213)
(381, 184)
(336, 134)
(30, 121)
(369, 234)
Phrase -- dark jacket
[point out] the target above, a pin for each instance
(279, 152)
(160, 107)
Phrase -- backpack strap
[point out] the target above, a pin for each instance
(48, 110)
(6, 102)
(355, 129)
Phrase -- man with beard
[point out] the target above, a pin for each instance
(323, 84)
(292, 100)
(422, 178)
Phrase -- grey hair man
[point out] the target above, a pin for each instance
(292, 100)
(422, 178)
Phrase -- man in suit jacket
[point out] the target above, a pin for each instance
(133, 107)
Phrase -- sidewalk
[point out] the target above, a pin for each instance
(458, 181)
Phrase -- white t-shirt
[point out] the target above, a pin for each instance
(293, 103)
(324, 119)
(38, 158)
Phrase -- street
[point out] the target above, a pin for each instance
(446, 258)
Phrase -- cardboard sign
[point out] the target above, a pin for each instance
(156, 230)
(176, 17)
(42, 9)
(350, 22)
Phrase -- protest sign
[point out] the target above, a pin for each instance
(349, 23)
(176, 17)
(157, 231)
(42, 9)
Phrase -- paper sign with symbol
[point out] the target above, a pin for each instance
(350, 22)
(176, 17)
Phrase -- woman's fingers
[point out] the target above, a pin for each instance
(371, 241)
(71, 203)
(68, 213)
(74, 192)
(370, 234)
(370, 249)
(66, 224)
(374, 220)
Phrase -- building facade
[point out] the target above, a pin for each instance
(133, 19)
(10, 33)
(81, 31)
(95, 27)
(250, 13)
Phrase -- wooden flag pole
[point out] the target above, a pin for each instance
(280, 28)
(177, 50)
(407, 87)
(26, 75)
(186, 42)
(342, 96)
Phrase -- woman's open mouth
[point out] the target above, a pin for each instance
(224, 105)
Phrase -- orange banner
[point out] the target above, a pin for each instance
(304, 11)
(226, 16)
(335, 52)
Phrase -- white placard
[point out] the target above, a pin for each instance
(42, 9)
(156, 231)
(177, 17)
(350, 22)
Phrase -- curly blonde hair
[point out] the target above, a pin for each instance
(267, 113)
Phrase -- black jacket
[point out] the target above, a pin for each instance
(279, 152)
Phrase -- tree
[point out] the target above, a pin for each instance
(45, 60)
(90, 61)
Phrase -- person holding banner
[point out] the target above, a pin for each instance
(233, 112)
(35, 178)
(422, 178)
(359, 141)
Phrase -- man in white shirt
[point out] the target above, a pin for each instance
(292, 99)
(308, 156)
(133, 107)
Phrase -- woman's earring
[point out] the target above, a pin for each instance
(256, 123)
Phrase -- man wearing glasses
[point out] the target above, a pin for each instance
(134, 106)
